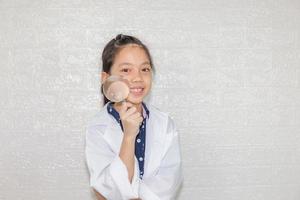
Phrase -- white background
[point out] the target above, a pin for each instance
(228, 72)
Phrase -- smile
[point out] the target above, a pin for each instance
(137, 91)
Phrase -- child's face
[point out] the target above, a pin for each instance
(132, 63)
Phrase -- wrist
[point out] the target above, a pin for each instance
(128, 138)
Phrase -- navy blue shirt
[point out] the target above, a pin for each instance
(140, 141)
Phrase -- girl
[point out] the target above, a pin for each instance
(132, 148)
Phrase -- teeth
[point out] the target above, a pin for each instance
(136, 89)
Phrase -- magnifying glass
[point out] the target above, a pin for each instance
(116, 88)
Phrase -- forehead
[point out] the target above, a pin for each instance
(131, 54)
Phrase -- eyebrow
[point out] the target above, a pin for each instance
(126, 63)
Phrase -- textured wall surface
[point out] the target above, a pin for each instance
(228, 72)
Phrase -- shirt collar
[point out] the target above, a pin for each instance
(146, 109)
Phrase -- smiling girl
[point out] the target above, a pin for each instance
(132, 148)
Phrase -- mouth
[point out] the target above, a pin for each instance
(137, 91)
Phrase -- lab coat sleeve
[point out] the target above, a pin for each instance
(108, 173)
(166, 182)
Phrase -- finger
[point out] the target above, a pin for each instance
(124, 107)
(134, 116)
(129, 112)
(140, 119)
(128, 104)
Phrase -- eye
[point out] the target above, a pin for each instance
(126, 70)
(146, 69)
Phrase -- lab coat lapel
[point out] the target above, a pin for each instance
(113, 134)
(155, 139)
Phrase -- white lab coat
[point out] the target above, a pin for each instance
(162, 167)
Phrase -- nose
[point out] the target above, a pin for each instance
(137, 76)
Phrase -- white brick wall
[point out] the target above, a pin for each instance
(238, 60)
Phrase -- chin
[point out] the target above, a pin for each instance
(135, 100)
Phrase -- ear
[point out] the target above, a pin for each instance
(104, 76)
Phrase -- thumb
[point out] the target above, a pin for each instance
(125, 106)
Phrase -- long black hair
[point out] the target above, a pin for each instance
(111, 50)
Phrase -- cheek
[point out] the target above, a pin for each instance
(122, 74)
(149, 77)
(148, 80)
(127, 77)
